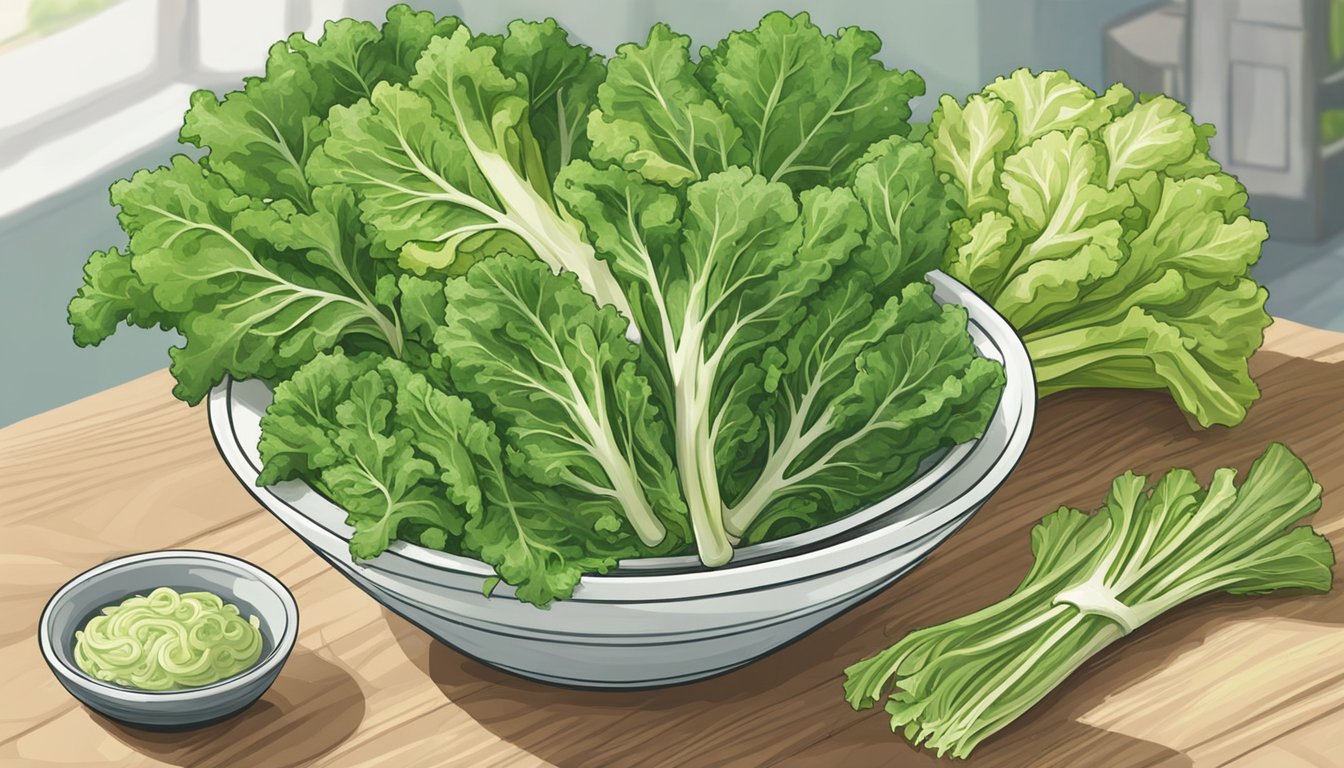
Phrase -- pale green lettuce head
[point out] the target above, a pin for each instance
(1101, 228)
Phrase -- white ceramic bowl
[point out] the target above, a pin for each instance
(254, 591)
(669, 620)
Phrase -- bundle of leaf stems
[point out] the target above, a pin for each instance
(1096, 578)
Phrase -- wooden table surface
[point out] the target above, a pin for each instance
(1224, 681)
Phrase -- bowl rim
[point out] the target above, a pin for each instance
(282, 646)
(1020, 380)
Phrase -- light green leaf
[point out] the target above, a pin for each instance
(1054, 101)
(981, 253)
(1094, 221)
(655, 118)
(908, 215)
(808, 104)
(1056, 293)
(1149, 349)
(969, 144)
(254, 291)
(1197, 227)
(1051, 190)
(1154, 135)
(1068, 224)
(112, 293)
(560, 378)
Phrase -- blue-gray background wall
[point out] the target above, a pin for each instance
(957, 45)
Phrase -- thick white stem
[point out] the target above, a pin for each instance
(695, 454)
(637, 510)
(555, 239)
(774, 478)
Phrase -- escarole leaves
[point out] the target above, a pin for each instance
(862, 401)
(296, 230)
(255, 289)
(1103, 231)
(408, 461)
(451, 161)
(808, 105)
(784, 100)
(781, 389)
(654, 117)
(548, 310)
(714, 292)
(562, 381)
(260, 138)
(727, 201)
(548, 458)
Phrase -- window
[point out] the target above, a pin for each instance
(1259, 116)
(23, 21)
(46, 72)
(91, 82)
(1336, 23)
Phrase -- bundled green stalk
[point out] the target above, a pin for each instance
(1095, 579)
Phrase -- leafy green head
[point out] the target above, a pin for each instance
(1099, 225)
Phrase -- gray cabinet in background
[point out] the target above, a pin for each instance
(1270, 75)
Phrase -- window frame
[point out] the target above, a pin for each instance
(176, 38)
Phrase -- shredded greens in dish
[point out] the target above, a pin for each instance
(168, 641)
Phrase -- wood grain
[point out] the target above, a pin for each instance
(1239, 681)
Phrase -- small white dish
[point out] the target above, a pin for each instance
(254, 591)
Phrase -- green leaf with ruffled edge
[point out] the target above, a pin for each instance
(807, 104)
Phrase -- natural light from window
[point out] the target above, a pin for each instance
(92, 82)
(23, 21)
